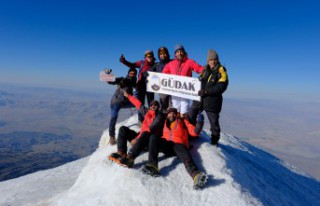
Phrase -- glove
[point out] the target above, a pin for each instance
(122, 59)
(155, 67)
(145, 74)
(200, 118)
(107, 70)
(202, 92)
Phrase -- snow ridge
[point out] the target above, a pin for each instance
(239, 174)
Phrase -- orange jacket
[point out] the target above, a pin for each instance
(178, 131)
(152, 120)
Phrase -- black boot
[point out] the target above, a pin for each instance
(215, 140)
(127, 162)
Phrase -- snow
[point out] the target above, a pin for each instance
(239, 174)
(41, 185)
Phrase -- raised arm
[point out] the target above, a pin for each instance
(194, 131)
(127, 63)
(116, 81)
(136, 103)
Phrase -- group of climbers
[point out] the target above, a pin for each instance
(166, 126)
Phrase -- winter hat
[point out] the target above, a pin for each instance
(132, 70)
(163, 50)
(179, 47)
(148, 53)
(212, 54)
(154, 102)
(172, 109)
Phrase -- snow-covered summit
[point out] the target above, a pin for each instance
(239, 174)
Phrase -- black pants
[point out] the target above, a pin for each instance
(126, 134)
(140, 145)
(213, 120)
(165, 102)
(170, 148)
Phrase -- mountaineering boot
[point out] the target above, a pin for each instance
(116, 157)
(127, 162)
(200, 180)
(112, 140)
(150, 169)
(215, 140)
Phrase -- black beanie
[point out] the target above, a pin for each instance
(132, 70)
(148, 52)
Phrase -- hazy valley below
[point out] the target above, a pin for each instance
(288, 130)
(43, 128)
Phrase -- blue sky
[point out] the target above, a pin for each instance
(270, 48)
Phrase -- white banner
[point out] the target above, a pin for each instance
(180, 86)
